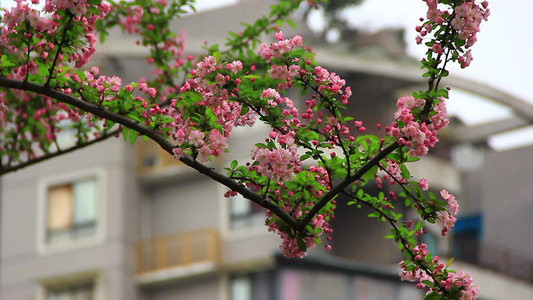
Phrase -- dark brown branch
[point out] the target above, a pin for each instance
(405, 243)
(57, 153)
(345, 183)
(153, 135)
(63, 38)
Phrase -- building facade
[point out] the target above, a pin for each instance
(113, 221)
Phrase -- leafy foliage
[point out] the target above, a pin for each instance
(314, 153)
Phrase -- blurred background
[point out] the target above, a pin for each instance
(118, 222)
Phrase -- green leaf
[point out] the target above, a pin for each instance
(405, 172)
(290, 23)
(5, 62)
(432, 296)
(370, 174)
(419, 226)
(125, 133)
(217, 55)
(93, 10)
(449, 262)
(244, 109)
(444, 73)
(301, 245)
(234, 164)
(133, 136)
(428, 283)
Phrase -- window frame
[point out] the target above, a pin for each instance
(71, 281)
(248, 219)
(72, 289)
(43, 245)
(256, 284)
(72, 228)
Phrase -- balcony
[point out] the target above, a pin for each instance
(174, 256)
(496, 257)
(155, 166)
(152, 159)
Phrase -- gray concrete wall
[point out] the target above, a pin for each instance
(506, 193)
(297, 284)
(188, 204)
(27, 263)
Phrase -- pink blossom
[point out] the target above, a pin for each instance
(447, 221)
(452, 202)
(423, 183)
(196, 138)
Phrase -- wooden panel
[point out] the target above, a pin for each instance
(179, 249)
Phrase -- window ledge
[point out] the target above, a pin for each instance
(68, 246)
(176, 273)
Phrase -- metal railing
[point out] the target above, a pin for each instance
(497, 257)
(178, 250)
(507, 261)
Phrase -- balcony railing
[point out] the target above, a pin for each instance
(178, 250)
(497, 257)
(152, 159)
(507, 261)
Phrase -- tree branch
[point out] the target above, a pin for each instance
(57, 153)
(348, 181)
(153, 135)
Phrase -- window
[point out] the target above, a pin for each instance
(74, 292)
(241, 288)
(431, 242)
(252, 286)
(467, 234)
(71, 211)
(245, 213)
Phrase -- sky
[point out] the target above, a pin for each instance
(503, 55)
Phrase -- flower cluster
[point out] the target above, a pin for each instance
(220, 93)
(293, 246)
(449, 282)
(468, 17)
(215, 102)
(465, 18)
(446, 218)
(36, 44)
(41, 32)
(279, 48)
(394, 171)
(412, 133)
(279, 164)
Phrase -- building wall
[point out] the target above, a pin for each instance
(207, 288)
(190, 203)
(299, 284)
(507, 192)
(28, 264)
